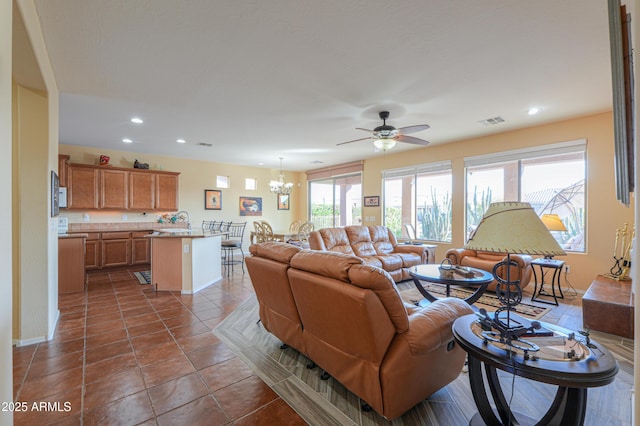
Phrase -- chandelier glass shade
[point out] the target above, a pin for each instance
(279, 186)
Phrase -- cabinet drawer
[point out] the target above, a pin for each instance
(115, 235)
(140, 234)
(92, 236)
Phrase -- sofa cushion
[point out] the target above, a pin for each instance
(390, 262)
(326, 263)
(383, 286)
(381, 241)
(360, 241)
(336, 240)
(274, 251)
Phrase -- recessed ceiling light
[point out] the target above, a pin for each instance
(137, 120)
(533, 111)
(260, 164)
(127, 140)
(181, 141)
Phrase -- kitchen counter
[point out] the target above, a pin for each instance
(185, 260)
(184, 233)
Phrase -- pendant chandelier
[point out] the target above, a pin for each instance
(278, 186)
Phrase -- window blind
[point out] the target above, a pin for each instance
(522, 154)
(422, 168)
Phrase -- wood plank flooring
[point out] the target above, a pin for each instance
(328, 403)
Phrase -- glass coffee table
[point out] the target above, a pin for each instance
(430, 273)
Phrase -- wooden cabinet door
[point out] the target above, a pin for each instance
(166, 191)
(114, 189)
(92, 254)
(116, 249)
(82, 187)
(70, 265)
(62, 169)
(140, 248)
(142, 190)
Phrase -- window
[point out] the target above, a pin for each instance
(551, 178)
(222, 181)
(420, 196)
(336, 201)
(250, 184)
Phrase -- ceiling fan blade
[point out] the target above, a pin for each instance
(411, 139)
(355, 140)
(413, 129)
(366, 130)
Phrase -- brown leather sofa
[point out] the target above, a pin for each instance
(349, 319)
(486, 261)
(375, 245)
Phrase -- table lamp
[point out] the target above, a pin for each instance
(553, 223)
(511, 227)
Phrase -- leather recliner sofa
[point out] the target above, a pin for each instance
(349, 319)
(375, 245)
(486, 261)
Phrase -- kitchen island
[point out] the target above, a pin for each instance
(185, 260)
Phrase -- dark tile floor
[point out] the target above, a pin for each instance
(124, 354)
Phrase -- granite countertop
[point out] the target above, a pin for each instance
(74, 235)
(183, 233)
(123, 226)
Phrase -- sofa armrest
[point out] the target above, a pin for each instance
(419, 250)
(456, 255)
(316, 242)
(430, 327)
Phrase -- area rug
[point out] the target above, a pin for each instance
(144, 277)
(489, 301)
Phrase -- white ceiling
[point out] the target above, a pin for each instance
(266, 79)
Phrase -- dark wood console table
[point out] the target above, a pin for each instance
(591, 367)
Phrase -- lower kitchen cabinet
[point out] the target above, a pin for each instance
(71, 264)
(116, 249)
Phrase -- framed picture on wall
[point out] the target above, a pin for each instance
(250, 206)
(55, 194)
(283, 201)
(212, 199)
(372, 201)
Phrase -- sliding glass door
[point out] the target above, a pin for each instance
(336, 201)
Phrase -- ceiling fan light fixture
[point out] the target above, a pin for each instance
(384, 144)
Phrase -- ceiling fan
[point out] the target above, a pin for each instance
(385, 136)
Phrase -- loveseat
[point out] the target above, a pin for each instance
(486, 261)
(348, 318)
(375, 245)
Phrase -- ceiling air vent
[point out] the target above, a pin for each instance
(208, 145)
(316, 162)
(492, 121)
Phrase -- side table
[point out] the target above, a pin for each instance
(572, 365)
(556, 266)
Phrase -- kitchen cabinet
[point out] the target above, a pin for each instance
(116, 249)
(167, 191)
(114, 189)
(82, 187)
(70, 263)
(93, 251)
(142, 190)
(140, 248)
(62, 169)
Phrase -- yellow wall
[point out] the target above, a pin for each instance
(35, 154)
(6, 366)
(195, 177)
(603, 212)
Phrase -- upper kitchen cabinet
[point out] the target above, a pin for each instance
(167, 191)
(116, 188)
(82, 187)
